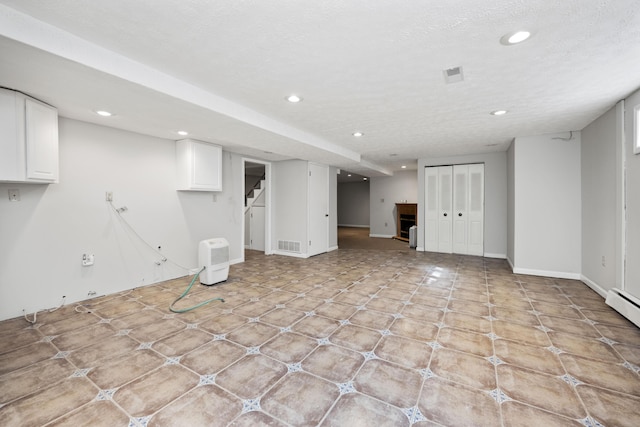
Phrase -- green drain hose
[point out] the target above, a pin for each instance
(184, 310)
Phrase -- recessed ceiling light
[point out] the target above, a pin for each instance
(104, 113)
(499, 113)
(183, 132)
(364, 179)
(403, 166)
(349, 175)
(514, 38)
(357, 134)
(293, 98)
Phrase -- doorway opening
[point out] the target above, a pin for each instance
(256, 209)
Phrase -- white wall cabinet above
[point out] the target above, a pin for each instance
(28, 139)
(199, 165)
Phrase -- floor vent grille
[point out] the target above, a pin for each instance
(289, 246)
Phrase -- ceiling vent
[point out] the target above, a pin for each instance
(453, 75)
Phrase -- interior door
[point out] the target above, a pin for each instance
(431, 209)
(318, 223)
(475, 241)
(460, 208)
(445, 223)
(257, 228)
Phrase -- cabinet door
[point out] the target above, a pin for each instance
(475, 240)
(206, 172)
(41, 134)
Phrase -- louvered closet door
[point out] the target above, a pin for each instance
(431, 209)
(445, 193)
(460, 208)
(475, 240)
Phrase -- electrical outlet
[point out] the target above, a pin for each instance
(14, 195)
(87, 260)
(109, 196)
(92, 293)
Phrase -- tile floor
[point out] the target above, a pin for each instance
(349, 338)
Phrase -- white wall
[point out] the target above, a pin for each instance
(353, 204)
(632, 179)
(45, 234)
(495, 198)
(290, 202)
(547, 206)
(599, 209)
(384, 193)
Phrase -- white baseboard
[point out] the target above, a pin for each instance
(384, 236)
(353, 225)
(593, 285)
(236, 261)
(625, 304)
(332, 248)
(500, 256)
(510, 263)
(544, 273)
(420, 249)
(291, 254)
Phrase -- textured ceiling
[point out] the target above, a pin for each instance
(222, 69)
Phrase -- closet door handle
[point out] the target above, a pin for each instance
(459, 213)
(445, 214)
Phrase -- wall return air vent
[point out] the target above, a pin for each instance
(289, 246)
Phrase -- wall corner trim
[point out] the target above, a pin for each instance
(545, 273)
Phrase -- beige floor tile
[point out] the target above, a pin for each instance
(223, 324)
(354, 409)
(463, 368)
(300, 399)
(395, 294)
(467, 341)
(467, 322)
(32, 378)
(520, 304)
(428, 291)
(49, 404)
(118, 308)
(390, 383)
(254, 308)
(151, 392)
(423, 313)
(289, 347)
(83, 337)
(256, 419)
(468, 307)
(253, 334)
(591, 302)
(356, 338)
(20, 339)
(607, 317)
(181, 343)
(124, 368)
(610, 408)
(530, 357)
(333, 363)
(316, 326)
(516, 414)
(372, 319)
(336, 310)
(429, 301)
(453, 404)
(544, 391)
(570, 326)
(590, 347)
(477, 297)
(629, 336)
(385, 305)
(403, 351)
(68, 324)
(282, 317)
(136, 319)
(605, 375)
(158, 330)
(521, 333)
(206, 405)
(556, 310)
(213, 357)
(511, 315)
(25, 356)
(251, 376)
(630, 353)
(101, 413)
(414, 329)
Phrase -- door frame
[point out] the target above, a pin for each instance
(309, 211)
(268, 206)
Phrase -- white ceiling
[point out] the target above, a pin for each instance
(221, 70)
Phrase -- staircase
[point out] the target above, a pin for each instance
(254, 194)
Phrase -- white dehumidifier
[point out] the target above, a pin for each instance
(213, 255)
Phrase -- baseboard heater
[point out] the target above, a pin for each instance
(625, 304)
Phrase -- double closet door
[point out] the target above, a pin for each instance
(454, 209)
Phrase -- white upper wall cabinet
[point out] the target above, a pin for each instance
(28, 139)
(199, 165)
